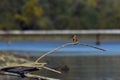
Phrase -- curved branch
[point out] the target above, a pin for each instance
(64, 45)
(67, 44)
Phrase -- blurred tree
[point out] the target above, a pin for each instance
(74, 23)
(7, 10)
(92, 3)
(102, 21)
(59, 14)
(77, 9)
(30, 14)
(90, 19)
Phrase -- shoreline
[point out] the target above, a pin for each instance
(91, 38)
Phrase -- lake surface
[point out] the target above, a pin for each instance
(112, 48)
(84, 63)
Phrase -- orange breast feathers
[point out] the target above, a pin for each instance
(75, 39)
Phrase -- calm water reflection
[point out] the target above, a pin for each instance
(83, 68)
(90, 68)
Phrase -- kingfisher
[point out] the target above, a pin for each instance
(75, 39)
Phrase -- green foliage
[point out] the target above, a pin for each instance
(90, 19)
(59, 14)
(92, 3)
(31, 13)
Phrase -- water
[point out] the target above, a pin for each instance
(91, 67)
(84, 63)
(83, 68)
(112, 48)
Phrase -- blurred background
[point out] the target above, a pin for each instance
(29, 28)
(59, 14)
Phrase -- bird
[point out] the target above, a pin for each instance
(75, 39)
